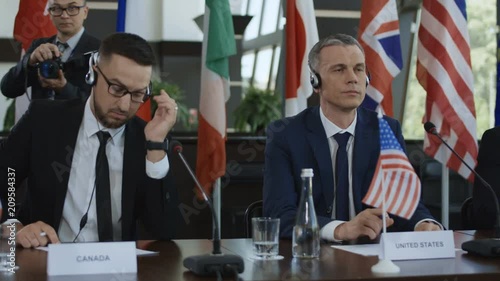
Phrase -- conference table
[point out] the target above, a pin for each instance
(333, 264)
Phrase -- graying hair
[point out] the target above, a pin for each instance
(332, 40)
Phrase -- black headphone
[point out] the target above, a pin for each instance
(91, 76)
(316, 79)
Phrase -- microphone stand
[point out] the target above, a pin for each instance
(215, 263)
(216, 237)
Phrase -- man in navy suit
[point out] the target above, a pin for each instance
(308, 140)
(70, 44)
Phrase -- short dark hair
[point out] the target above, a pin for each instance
(332, 40)
(128, 45)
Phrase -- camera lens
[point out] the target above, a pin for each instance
(49, 69)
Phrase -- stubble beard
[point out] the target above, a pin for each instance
(108, 122)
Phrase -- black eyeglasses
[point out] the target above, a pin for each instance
(119, 91)
(57, 11)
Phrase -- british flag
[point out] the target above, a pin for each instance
(402, 185)
(379, 36)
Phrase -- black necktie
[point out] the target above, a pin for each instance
(342, 178)
(103, 196)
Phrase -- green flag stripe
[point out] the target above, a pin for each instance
(220, 42)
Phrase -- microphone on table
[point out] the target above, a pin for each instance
(483, 247)
(215, 263)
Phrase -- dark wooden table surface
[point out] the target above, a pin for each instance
(332, 265)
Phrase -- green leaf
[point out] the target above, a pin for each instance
(175, 92)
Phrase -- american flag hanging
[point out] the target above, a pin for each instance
(379, 36)
(395, 171)
(444, 71)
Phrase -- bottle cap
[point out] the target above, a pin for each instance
(307, 173)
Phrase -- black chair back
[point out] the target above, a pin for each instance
(253, 210)
(466, 214)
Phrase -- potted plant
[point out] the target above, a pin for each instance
(10, 116)
(257, 109)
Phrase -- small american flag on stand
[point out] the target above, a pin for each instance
(402, 191)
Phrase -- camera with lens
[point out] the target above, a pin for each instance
(50, 68)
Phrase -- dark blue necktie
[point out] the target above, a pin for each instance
(62, 47)
(102, 190)
(342, 178)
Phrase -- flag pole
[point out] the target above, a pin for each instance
(445, 195)
(384, 264)
(216, 198)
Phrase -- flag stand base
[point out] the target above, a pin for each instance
(385, 266)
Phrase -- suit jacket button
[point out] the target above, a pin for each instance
(329, 210)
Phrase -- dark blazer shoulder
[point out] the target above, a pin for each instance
(45, 108)
(90, 40)
(40, 41)
(370, 118)
(290, 125)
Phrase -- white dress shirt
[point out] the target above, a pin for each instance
(82, 180)
(330, 130)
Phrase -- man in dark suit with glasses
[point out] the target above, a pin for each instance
(96, 172)
(66, 48)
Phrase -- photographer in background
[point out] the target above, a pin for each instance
(55, 67)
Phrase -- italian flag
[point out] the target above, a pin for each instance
(218, 45)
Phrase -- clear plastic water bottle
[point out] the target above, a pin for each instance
(305, 242)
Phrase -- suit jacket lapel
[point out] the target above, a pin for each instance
(81, 45)
(365, 151)
(71, 120)
(319, 145)
(133, 160)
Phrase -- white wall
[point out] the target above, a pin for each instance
(8, 13)
(178, 20)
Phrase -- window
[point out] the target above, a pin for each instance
(481, 22)
(261, 44)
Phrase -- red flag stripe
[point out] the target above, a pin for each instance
(378, 23)
(296, 44)
(444, 70)
(32, 22)
(438, 95)
(394, 194)
(144, 112)
(395, 174)
(381, 78)
(441, 14)
(388, 26)
(301, 34)
(211, 161)
(437, 50)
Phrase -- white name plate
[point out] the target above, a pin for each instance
(91, 258)
(418, 245)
